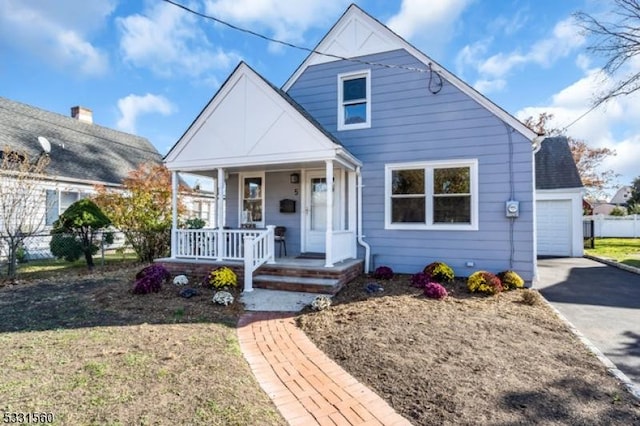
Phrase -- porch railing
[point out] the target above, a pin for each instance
(258, 250)
(342, 246)
(254, 247)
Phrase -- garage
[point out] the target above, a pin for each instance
(558, 200)
(554, 236)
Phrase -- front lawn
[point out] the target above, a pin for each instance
(622, 250)
(82, 347)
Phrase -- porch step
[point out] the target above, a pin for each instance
(293, 283)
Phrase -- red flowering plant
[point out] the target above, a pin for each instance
(383, 273)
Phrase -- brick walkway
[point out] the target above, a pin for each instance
(307, 387)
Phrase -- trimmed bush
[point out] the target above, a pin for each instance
(383, 273)
(484, 282)
(435, 290)
(439, 271)
(223, 277)
(150, 279)
(510, 280)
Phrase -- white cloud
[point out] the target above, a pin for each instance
(57, 32)
(488, 86)
(167, 40)
(613, 125)
(565, 38)
(284, 20)
(133, 106)
(428, 23)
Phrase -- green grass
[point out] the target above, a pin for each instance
(622, 250)
(37, 268)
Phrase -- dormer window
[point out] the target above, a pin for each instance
(354, 100)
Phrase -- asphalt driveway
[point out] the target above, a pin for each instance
(601, 301)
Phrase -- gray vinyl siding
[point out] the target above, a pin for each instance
(277, 187)
(408, 124)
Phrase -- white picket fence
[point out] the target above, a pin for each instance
(615, 226)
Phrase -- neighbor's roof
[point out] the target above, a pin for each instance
(555, 167)
(79, 150)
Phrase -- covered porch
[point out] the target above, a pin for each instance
(275, 168)
(319, 220)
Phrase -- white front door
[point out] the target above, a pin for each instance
(315, 210)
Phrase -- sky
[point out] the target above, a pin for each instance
(147, 67)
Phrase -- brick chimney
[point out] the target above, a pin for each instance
(83, 114)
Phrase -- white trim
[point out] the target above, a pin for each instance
(341, 104)
(241, 178)
(429, 166)
(331, 43)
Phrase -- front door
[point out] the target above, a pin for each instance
(315, 210)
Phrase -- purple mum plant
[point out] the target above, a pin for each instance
(420, 280)
(435, 290)
(383, 273)
(150, 279)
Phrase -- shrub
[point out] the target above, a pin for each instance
(530, 297)
(150, 279)
(321, 303)
(223, 277)
(435, 290)
(484, 282)
(383, 273)
(420, 280)
(510, 280)
(439, 271)
(223, 298)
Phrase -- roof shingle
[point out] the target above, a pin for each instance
(79, 150)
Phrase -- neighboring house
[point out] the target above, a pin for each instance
(421, 164)
(621, 197)
(559, 203)
(82, 155)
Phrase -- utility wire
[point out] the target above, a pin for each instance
(596, 105)
(309, 50)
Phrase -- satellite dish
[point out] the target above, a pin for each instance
(44, 143)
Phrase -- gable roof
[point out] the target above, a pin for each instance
(357, 34)
(621, 196)
(79, 150)
(250, 121)
(555, 167)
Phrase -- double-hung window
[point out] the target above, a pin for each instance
(354, 100)
(432, 195)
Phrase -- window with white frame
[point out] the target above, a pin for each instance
(432, 195)
(252, 200)
(354, 100)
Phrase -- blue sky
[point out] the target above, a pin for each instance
(147, 67)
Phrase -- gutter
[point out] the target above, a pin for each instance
(367, 248)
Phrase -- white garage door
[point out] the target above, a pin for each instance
(554, 227)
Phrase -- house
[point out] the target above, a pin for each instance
(559, 200)
(621, 197)
(82, 154)
(370, 150)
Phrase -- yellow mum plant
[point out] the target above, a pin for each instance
(223, 277)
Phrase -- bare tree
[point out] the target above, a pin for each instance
(22, 200)
(618, 42)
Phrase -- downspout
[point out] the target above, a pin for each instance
(367, 248)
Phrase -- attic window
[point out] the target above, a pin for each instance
(354, 100)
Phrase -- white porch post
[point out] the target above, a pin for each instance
(219, 216)
(329, 232)
(174, 214)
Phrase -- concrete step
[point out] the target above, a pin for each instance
(301, 284)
